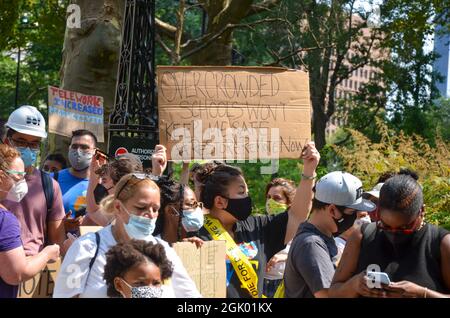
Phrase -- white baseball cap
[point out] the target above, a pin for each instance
(375, 191)
(343, 189)
(27, 120)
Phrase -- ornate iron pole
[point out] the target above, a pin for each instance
(134, 120)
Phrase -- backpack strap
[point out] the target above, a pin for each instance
(56, 175)
(47, 184)
(97, 242)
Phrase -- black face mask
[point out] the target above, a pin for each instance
(344, 223)
(399, 239)
(239, 208)
(100, 192)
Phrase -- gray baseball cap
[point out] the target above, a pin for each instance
(343, 189)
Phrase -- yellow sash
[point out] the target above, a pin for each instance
(240, 262)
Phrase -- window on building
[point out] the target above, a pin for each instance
(365, 74)
(350, 84)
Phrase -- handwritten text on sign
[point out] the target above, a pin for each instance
(233, 112)
(69, 111)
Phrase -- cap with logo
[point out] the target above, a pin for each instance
(343, 189)
(27, 120)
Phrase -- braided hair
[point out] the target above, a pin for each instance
(401, 194)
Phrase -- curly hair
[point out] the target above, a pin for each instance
(7, 155)
(122, 257)
(287, 185)
(215, 180)
(172, 192)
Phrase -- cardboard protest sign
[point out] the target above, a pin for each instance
(233, 113)
(41, 285)
(69, 111)
(206, 266)
(89, 229)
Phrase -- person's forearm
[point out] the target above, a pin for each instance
(343, 290)
(34, 264)
(303, 196)
(434, 294)
(56, 233)
(98, 217)
(90, 198)
(184, 176)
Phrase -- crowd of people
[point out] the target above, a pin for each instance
(321, 238)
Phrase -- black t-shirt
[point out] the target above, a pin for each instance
(259, 237)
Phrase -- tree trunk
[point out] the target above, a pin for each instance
(319, 127)
(90, 58)
(220, 13)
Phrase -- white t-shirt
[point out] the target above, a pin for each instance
(340, 243)
(73, 277)
(277, 271)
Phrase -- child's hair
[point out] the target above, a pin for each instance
(402, 194)
(122, 257)
(215, 181)
(124, 190)
(171, 193)
(287, 185)
(58, 158)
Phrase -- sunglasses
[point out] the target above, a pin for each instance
(407, 229)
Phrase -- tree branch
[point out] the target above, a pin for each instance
(306, 49)
(205, 40)
(262, 7)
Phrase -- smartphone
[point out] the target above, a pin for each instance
(380, 277)
(100, 154)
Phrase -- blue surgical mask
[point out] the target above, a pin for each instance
(29, 156)
(139, 227)
(192, 221)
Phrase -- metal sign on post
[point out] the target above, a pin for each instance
(133, 124)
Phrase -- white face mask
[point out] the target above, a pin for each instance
(17, 191)
(139, 227)
(192, 221)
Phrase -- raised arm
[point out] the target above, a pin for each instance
(298, 213)
(92, 209)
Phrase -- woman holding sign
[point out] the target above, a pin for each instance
(15, 266)
(251, 240)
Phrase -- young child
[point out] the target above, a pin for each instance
(136, 269)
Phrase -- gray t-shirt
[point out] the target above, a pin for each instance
(311, 263)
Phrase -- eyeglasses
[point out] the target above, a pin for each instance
(25, 144)
(188, 207)
(140, 176)
(14, 172)
(407, 229)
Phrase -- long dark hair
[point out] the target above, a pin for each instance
(172, 192)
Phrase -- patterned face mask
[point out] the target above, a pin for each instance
(145, 291)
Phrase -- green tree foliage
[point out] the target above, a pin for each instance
(41, 41)
(368, 160)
